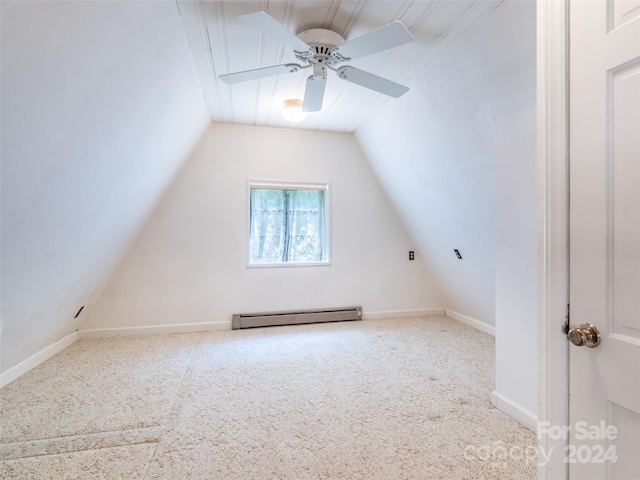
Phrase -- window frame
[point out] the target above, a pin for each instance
(277, 185)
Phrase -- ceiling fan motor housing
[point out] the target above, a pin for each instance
(323, 42)
(321, 37)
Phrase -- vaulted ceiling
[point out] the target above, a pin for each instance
(222, 44)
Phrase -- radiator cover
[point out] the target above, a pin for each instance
(295, 317)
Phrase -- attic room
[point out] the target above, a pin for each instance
(131, 172)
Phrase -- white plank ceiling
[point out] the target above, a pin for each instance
(221, 44)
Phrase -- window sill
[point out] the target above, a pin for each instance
(280, 265)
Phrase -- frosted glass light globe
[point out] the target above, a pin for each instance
(292, 110)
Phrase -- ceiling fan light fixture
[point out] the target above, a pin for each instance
(292, 110)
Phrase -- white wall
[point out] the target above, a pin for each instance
(517, 263)
(100, 105)
(457, 160)
(189, 263)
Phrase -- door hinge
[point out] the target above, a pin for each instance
(565, 327)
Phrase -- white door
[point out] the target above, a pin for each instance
(604, 169)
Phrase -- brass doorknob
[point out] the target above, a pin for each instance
(585, 335)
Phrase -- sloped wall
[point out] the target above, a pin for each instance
(434, 151)
(189, 263)
(100, 105)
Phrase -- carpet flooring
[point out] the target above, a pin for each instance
(385, 399)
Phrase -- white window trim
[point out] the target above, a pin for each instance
(326, 187)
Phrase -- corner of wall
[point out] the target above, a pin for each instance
(515, 411)
(36, 359)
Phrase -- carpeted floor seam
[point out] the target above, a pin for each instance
(75, 443)
(177, 394)
(84, 449)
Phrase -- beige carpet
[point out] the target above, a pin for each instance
(384, 399)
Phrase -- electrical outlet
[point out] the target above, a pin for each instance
(457, 254)
(411, 255)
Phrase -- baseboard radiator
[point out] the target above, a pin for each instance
(252, 320)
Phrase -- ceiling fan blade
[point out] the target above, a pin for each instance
(256, 73)
(314, 94)
(374, 82)
(391, 35)
(270, 27)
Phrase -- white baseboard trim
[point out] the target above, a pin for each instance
(515, 411)
(36, 359)
(217, 326)
(153, 330)
(483, 327)
(402, 313)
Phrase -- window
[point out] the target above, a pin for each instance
(288, 224)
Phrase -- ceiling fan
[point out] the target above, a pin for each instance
(322, 50)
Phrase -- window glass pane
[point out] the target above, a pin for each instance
(287, 226)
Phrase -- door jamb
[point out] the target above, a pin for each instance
(553, 231)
